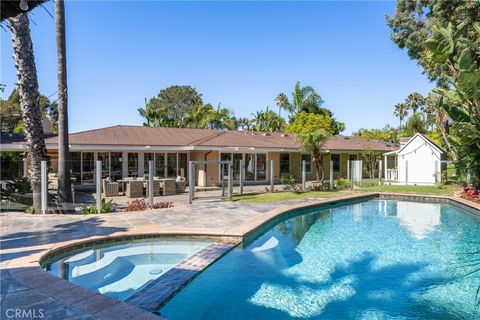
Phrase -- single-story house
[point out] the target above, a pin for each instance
(419, 161)
(125, 151)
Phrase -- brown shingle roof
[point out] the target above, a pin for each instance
(123, 135)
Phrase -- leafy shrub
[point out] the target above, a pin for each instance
(92, 209)
(290, 183)
(319, 186)
(19, 191)
(342, 183)
(89, 209)
(137, 205)
(163, 204)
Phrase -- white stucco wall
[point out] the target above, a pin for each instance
(422, 160)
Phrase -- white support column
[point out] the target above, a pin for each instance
(230, 181)
(222, 176)
(380, 172)
(150, 183)
(25, 167)
(191, 183)
(98, 180)
(437, 173)
(348, 170)
(406, 172)
(242, 174)
(141, 163)
(44, 185)
(304, 174)
(331, 175)
(385, 159)
(272, 175)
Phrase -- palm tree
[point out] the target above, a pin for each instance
(64, 183)
(244, 123)
(401, 111)
(201, 118)
(29, 99)
(415, 101)
(313, 143)
(282, 102)
(303, 99)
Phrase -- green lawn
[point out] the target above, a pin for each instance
(285, 196)
(445, 190)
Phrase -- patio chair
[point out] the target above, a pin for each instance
(134, 189)
(110, 189)
(180, 186)
(156, 189)
(169, 187)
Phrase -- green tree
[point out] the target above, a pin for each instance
(170, 106)
(244, 124)
(415, 101)
(371, 157)
(306, 99)
(267, 121)
(201, 117)
(224, 119)
(282, 102)
(413, 23)
(306, 122)
(461, 99)
(415, 124)
(388, 134)
(11, 112)
(313, 142)
(401, 111)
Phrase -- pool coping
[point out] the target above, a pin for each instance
(27, 270)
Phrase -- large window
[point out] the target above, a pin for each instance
(236, 165)
(146, 158)
(249, 166)
(225, 157)
(116, 166)
(160, 165)
(336, 163)
(171, 165)
(284, 164)
(105, 158)
(76, 158)
(261, 166)
(182, 165)
(308, 160)
(133, 164)
(88, 167)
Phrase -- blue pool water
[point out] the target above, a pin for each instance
(372, 260)
(120, 270)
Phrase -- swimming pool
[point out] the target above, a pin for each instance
(119, 270)
(378, 259)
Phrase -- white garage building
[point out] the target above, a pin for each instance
(419, 161)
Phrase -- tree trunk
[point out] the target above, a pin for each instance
(64, 165)
(322, 172)
(29, 100)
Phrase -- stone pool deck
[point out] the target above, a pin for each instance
(28, 291)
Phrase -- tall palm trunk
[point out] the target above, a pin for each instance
(29, 100)
(64, 183)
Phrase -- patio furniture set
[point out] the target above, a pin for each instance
(136, 188)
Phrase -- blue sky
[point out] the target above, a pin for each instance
(241, 54)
